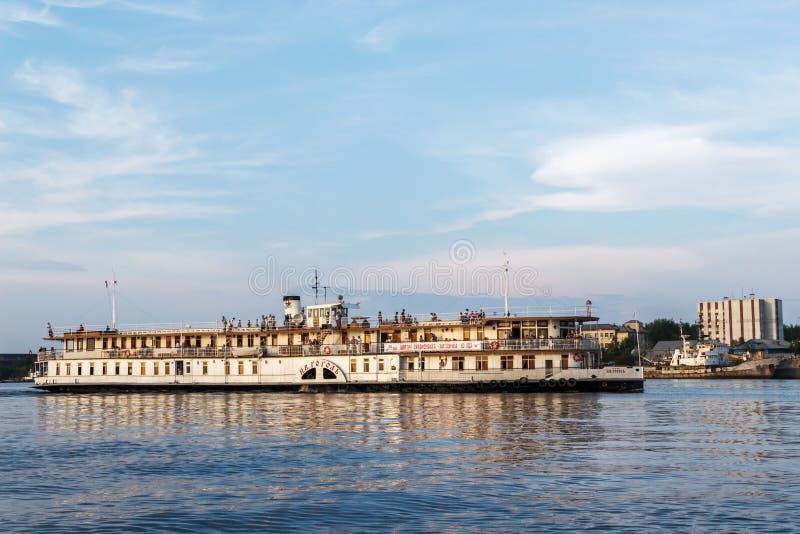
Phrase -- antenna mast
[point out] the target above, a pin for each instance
(505, 288)
(316, 287)
(638, 344)
(113, 290)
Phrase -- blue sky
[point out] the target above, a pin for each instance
(644, 155)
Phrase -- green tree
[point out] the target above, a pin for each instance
(621, 353)
(667, 329)
(791, 333)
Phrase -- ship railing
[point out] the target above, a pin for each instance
(354, 349)
(579, 311)
(542, 344)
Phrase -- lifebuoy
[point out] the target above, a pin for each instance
(326, 349)
(126, 353)
(577, 357)
(494, 345)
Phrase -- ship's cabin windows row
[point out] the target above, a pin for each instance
(493, 329)
(156, 368)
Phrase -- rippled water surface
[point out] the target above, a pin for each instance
(685, 455)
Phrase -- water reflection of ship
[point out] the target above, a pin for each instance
(528, 424)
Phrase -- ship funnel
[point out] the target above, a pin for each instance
(291, 309)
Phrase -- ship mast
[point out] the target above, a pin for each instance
(638, 343)
(505, 287)
(114, 301)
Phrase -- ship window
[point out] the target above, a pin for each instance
(188, 367)
(250, 338)
(90, 344)
(105, 343)
(458, 363)
(311, 374)
(381, 365)
(542, 323)
(91, 369)
(69, 368)
(366, 365)
(105, 368)
(227, 367)
(205, 368)
(239, 341)
(352, 365)
(124, 343)
(529, 362)
(133, 342)
(241, 367)
(255, 367)
(155, 368)
(327, 374)
(80, 369)
(143, 369)
(80, 344)
(166, 368)
(564, 361)
(481, 363)
(158, 342)
(116, 368)
(58, 369)
(506, 361)
(130, 368)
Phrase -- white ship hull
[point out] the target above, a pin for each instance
(323, 373)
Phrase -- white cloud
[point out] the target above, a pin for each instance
(127, 142)
(661, 167)
(180, 10)
(90, 111)
(11, 13)
(161, 61)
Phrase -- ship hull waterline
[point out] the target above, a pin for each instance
(493, 386)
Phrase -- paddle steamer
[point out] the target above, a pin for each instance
(326, 347)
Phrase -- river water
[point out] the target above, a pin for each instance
(685, 455)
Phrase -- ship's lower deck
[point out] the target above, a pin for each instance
(387, 372)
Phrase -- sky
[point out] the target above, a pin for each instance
(211, 155)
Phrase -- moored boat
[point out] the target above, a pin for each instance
(325, 347)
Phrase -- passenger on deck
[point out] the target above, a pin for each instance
(380, 320)
(49, 330)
